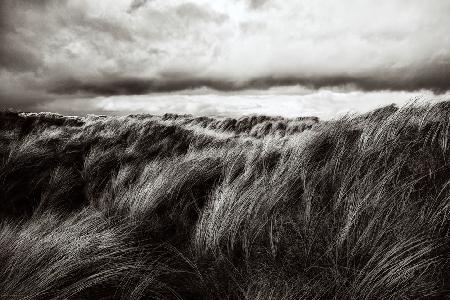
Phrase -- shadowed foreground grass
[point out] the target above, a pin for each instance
(177, 207)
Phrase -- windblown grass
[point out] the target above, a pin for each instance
(179, 207)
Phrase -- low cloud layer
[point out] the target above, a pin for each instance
(52, 51)
(324, 104)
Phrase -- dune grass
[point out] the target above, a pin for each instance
(182, 207)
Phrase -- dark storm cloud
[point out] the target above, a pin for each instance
(436, 79)
(16, 58)
(136, 86)
(15, 54)
(4, 22)
(82, 48)
(11, 56)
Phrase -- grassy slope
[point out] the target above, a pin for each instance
(177, 207)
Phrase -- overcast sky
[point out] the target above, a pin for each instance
(222, 57)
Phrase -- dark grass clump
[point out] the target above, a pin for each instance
(182, 207)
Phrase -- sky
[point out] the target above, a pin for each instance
(222, 57)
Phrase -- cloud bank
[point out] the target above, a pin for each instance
(324, 104)
(52, 51)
